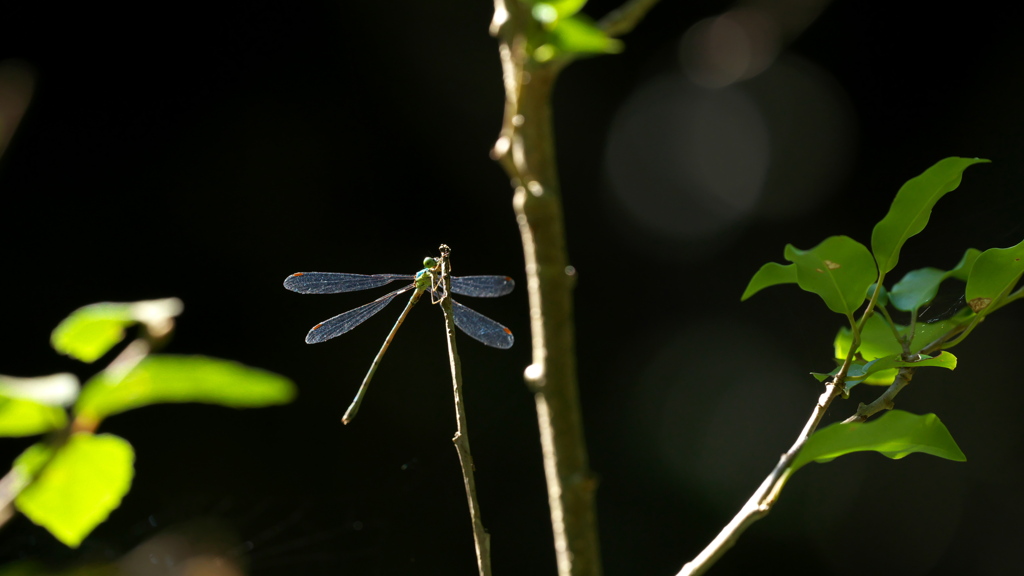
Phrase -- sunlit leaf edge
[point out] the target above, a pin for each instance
(166, 378)
(770, 274)
(908, 216)
(882, 435)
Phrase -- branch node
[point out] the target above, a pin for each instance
(534, 376)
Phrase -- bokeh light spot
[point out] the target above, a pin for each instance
(685, 161)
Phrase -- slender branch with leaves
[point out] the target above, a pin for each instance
(536, 41)
(875, 349)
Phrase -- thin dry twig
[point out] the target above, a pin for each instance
(885, 400)
(481, 538)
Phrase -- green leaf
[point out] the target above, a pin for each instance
(30, 406)
(894, 435)
(963, 269)
(876, 340)
(91, 331)
(166, 378)
(577, 35)
(78, 487)
(883, 295)
(927, 332)
(917, 288)
(821, 376)
(840, 269)
(995, 272)
(553, 10)
(20, 417)
(770, 274)
(567, 8)
(943, 360)
(910, 210)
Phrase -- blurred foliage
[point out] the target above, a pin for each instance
(71, 481)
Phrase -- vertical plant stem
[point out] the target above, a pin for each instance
(526, 151)
(481, 538)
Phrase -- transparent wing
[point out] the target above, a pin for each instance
(335, 282)
(481, 327)
(482, 286)
(348, 320)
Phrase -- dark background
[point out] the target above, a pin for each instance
(206, 151)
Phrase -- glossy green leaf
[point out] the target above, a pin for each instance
(91, 331)
(895, 434)
(912, 207)
(927, 332)
(770, 274)
(879, 378)
(864, 374)
(943, 360)
(995, 273)
(822, 376)
(876, 340)
(167, 378)
(963, 269)
(859, 374)
(917, 288)
(839, 270)
(79, 487)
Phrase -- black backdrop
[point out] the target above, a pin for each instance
(206, 151)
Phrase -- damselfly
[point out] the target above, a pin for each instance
(428, 279)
